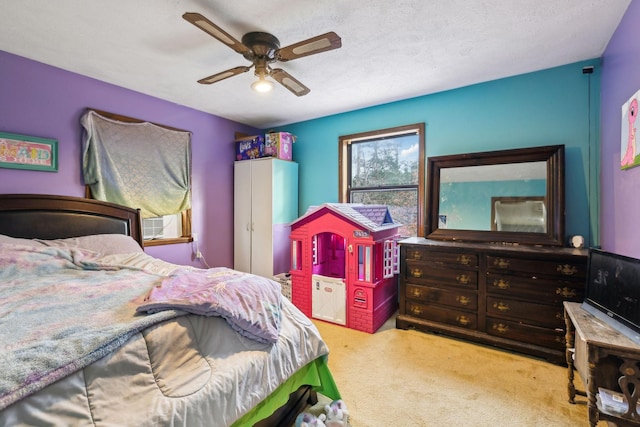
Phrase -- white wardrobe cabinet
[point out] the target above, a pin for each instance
(265, 203)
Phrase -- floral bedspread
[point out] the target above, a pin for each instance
(62, 309)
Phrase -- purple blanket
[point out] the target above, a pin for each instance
(250, 304)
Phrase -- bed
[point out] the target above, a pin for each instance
(94, 331)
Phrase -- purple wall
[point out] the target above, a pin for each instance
(43, 101)
(620, 189)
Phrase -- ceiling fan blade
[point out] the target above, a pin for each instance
(224, 75)
(321, 43)
(212, 29)
(286, 80)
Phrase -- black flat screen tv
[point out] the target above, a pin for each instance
(612, 291)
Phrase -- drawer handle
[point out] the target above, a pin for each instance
(416, 292)
(501, 263)
(416, 272)
(501, 328)
(463, 320)
(416, 310)
(463, 279)
(416, 255)
(464, 259)
(560, 316)
(501, 306)
(501, 284)
(566, 292)
(463, 300)
(567, 269)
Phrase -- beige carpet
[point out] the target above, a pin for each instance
(409, 378)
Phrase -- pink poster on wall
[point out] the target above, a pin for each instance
(628, 152)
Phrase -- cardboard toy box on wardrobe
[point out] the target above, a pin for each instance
(249, 147)
(279, 144)
(272, 144)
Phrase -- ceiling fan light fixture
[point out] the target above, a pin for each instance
(262, 85)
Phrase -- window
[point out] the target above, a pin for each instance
(142, 165)
(386, 167)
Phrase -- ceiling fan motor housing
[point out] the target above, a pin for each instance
(262, 45)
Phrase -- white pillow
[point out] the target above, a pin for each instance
(105, 244)
(18, 241)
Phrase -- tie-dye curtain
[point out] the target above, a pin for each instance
(140, 165)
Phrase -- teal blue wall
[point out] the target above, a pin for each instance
(548, 107)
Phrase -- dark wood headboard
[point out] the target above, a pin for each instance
(44, 216)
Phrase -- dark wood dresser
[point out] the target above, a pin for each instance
(508, 296)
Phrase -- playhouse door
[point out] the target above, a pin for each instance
(329, 299)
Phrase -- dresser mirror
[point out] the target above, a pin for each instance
(508, 196)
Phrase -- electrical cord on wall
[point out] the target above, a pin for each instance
(588, 71)
(197, 252)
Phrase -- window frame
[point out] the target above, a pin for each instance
(344, 164)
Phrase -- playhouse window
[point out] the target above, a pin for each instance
(314, 250)
(389, 259)
(396, 258)
(364, 263)
(296, 255)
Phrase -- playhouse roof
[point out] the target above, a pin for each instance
(371, 217)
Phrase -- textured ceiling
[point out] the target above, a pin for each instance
(391, 50)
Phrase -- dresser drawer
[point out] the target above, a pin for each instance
(527, 312)
(546, 337)
(562, 268)
(421, 254)
(507, 296)
(443, 315)
(543, 290)
(438, 276)
(451, 297)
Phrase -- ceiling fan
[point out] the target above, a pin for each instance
(263, 49)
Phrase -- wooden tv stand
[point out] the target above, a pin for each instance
(603, 357)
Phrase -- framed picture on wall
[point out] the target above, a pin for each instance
(28, 152)
(629, 156)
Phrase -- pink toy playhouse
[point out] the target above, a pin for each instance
(344, 262)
